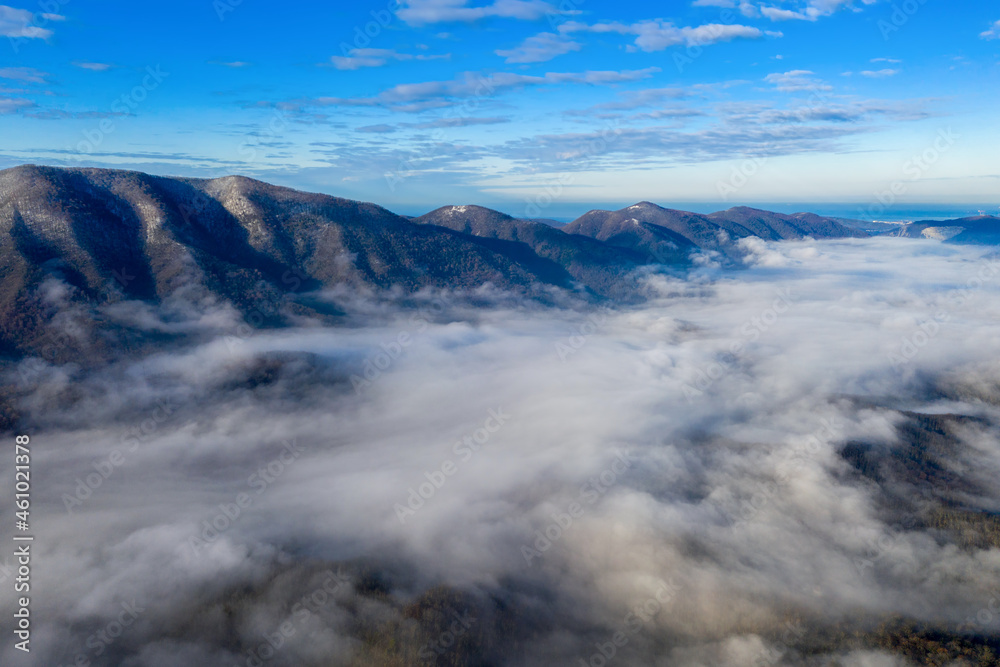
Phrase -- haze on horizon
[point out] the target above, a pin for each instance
(508, 102)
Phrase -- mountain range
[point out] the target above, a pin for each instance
(84, 236)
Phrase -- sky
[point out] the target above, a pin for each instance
(534, 106)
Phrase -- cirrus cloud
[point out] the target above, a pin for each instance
(539, 48)
(811, 10)
(423, 12)
(359, 58)
(22, 23)
(657, 34)
(437, 94)
(25, 74)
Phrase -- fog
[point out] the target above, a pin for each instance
(491, 480)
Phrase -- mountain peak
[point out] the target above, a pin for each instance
(644, 205)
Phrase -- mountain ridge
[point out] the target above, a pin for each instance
(75, 238)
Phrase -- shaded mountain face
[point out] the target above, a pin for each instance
(981, 229)
(72, 240)
(598, 265)
(670, 235)
(868, 226)
(547, 221)
(85, 236)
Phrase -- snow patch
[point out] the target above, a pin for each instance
(942, 233)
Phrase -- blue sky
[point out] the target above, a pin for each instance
(533, 105)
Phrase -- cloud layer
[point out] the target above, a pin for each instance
(674, 472)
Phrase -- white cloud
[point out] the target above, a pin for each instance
(891, 61)
(457, 122)
(25, 74)
(423, 12)
(436, 94)
(539, 48)
(657, 35)
(992, 33)
(810, 10)
(778, 14)
(737, 488)
(101, 67)
(879, 74)
(634, 99)
(22, 23)
(358, 58)
(796, 80)
(10, 104)
(746, 8)
(376, 129)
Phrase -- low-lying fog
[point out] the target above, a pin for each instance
(482, 480)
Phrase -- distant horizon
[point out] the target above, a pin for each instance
(567, 211)
(903, 212)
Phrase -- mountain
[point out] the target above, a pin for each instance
(73, 241)
(79, 237)
(869, 226)
(547, 221)
(670, 234)
(595, 264)
(642, 228)
(779, 226)
(983, 229)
